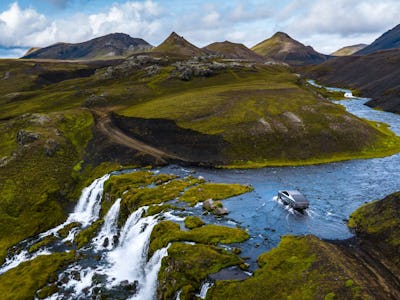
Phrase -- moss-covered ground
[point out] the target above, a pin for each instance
(167, 232)
(215, 191)
(187, 266)
(379, 222)
(144, 188)
(296, 269)
(23, 281)
(36, 187)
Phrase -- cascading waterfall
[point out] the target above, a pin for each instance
(204, 289)
(109, 230)
(86, 211)
(125, 265)
(117, 258)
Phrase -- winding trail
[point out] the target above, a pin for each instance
(104, 125)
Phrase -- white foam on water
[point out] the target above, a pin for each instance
(148, 287)
(84, 282)
(129, 258)
(21, 257)
(178, 295)
(169, 216)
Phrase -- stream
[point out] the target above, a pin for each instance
(334, 190)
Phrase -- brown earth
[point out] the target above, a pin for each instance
(149, 142)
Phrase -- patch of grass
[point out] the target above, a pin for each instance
(156, 209)
(137, 198)
(167, 232)
(23, 281)
(87, 234)
(46, 241)
(187, 266)
(192, 222)
(215, 191)
(63, 232)
(296, 269)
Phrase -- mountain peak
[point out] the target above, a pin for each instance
(284, 48)
(176, 44)
(281, 35)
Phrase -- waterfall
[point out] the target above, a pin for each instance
(86, 211)
(109, 229)
(204, 289)
(88, 207)
(148, 287)
(128, 260)
(120, 266)
(89, 204)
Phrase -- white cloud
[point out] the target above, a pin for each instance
(17, 26)
(328, 25)
(324, 24)
(26, 27)
(342, 19)
(211, 19)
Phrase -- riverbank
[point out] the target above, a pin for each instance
(305, 267)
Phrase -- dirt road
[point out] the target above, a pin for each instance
(104, 125)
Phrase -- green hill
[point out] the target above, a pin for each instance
(349, 50)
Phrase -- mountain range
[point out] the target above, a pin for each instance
(279, 47)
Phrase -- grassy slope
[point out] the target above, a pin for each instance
(379, 222)
(297, 269)
(34, 187)
(251, 111)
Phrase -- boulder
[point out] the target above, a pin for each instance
(51, 147)
(25, 137)
(208, 204)
(216, 207)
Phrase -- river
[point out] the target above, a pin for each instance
(334, 190)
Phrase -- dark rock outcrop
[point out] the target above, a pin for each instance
(26, 137)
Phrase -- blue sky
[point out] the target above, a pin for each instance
(324, 24)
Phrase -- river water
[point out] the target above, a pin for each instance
(334, 190)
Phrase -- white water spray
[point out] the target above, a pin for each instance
(110, 227)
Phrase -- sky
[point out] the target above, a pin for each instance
(326, 25)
